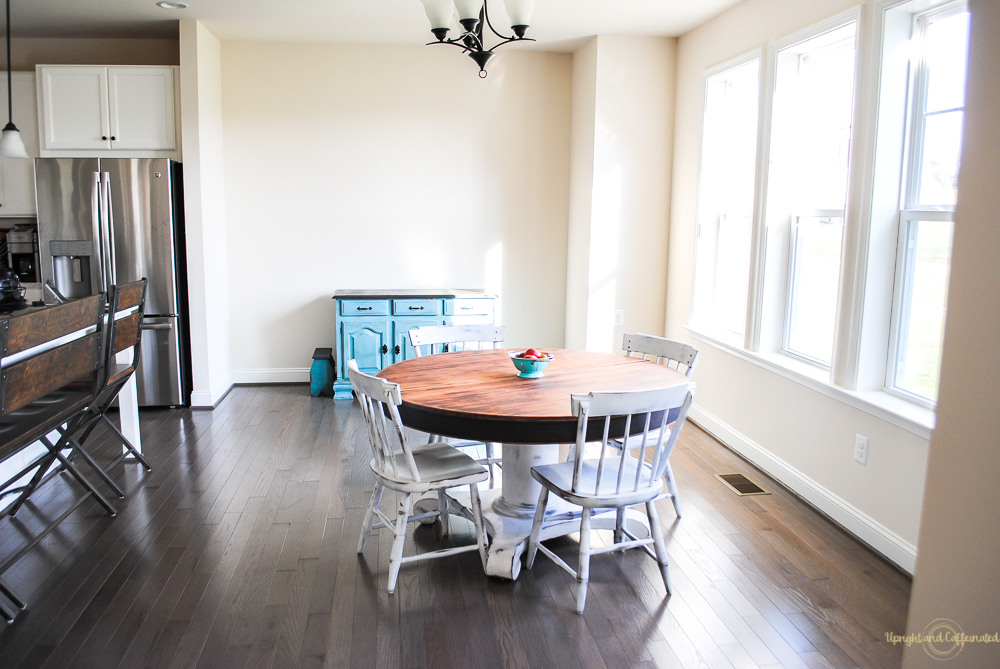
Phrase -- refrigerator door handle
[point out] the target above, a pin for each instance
(97, 209)
(109, 222)
(157, 326)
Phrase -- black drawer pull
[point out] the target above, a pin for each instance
(364, 308)
(416, 308)
(396, 350)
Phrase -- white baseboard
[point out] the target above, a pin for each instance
(864, 527)
(203, 399)
(272, 375)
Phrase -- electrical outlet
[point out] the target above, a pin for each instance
(619, 317)
(861, 449)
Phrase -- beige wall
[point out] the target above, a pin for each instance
(26, 52)
(389, 167)
(957, 576)
(623, 101)
(802, 436)
(205, 212)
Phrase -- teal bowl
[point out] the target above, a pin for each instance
(527, 368)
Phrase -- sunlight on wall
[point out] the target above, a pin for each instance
(605, 227)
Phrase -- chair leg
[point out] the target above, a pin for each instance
(672, 488)
(619, 524)
(127, 444)
(659, 544)
(489, 459)
(536, 527)
(477, 517)
(94, 466)
(36, 479)
(11, 595)
(366, 524)
(444, 509)
(583, 570)
(399, 537)
(71, 468)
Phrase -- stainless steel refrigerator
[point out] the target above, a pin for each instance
(111, 221)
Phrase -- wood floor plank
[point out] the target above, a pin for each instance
(239, 550)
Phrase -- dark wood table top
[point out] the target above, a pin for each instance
(478, 395)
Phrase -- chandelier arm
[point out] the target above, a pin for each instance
(512, 39)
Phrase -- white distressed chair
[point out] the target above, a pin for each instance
(676, 355)
(458, 337)
(615, 479)
(411, 471)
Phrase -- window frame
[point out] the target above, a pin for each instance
(696, 312)
(909, 212)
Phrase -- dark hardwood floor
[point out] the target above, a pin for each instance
(238, 550)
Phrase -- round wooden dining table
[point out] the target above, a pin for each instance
(478, 395)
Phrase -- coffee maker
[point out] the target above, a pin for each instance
(22, 250)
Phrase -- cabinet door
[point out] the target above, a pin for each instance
(368, 343)
(74, 108)
(141, 108)
(402, 350)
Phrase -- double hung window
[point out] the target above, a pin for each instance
(813, 232)
(926, 220)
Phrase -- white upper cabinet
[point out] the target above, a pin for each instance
(141, 107)
(97, 109)
(17, 175)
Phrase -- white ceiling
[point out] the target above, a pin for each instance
(556, 23)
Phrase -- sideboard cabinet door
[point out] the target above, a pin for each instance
(368, 342)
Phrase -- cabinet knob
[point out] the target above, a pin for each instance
(396, 350)
(113, 138)
(385, 349)
(104, 138)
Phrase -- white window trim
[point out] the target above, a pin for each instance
(897, 411)
(857, 353)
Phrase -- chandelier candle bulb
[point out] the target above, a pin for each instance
(519, 12)
(439, 13)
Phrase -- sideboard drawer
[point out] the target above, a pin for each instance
(422, 307)
(364, 307)
(469, 307)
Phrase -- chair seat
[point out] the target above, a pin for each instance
(25, 425)
(118, 372)
(559, 479)
(438, 463)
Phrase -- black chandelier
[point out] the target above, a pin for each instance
(474, 16)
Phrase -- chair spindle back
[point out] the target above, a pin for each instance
(634, 406)
(380, 400)
(670, 352)
(455, 337)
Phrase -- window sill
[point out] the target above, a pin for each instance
(904, 414)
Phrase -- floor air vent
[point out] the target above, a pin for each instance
(741, 485)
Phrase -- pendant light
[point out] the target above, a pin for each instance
(11, 145)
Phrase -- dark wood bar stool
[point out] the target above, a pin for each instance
(123, 333)
(48, 381)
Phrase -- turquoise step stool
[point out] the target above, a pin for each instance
(322, 373)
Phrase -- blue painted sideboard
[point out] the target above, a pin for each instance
(372, 325)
